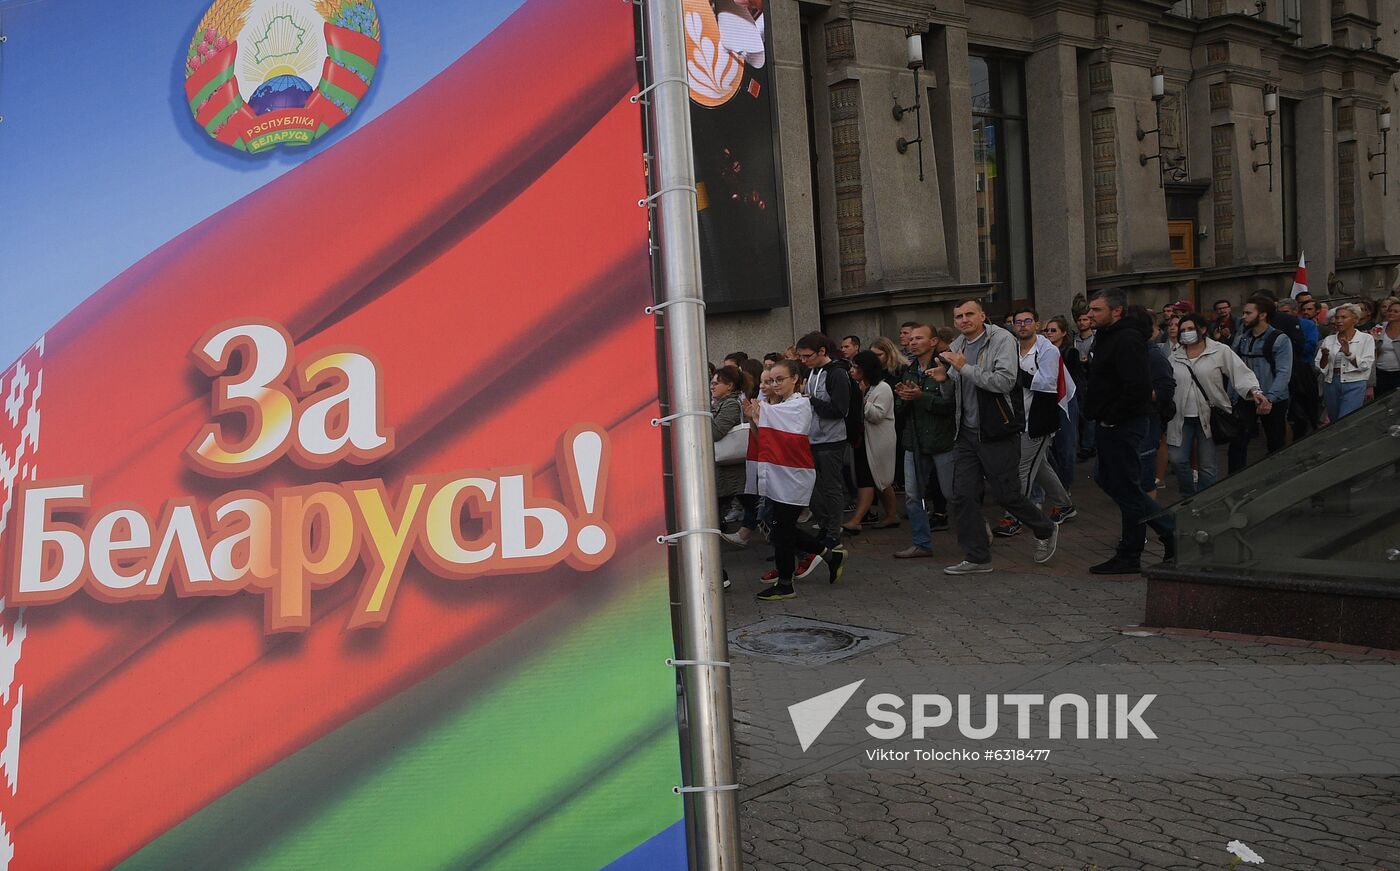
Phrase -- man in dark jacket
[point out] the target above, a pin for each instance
(1120, 402)
(928, 408)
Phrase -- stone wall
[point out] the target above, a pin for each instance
(894, 247)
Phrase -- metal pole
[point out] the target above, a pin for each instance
(702, 627)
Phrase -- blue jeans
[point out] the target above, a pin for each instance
(1147, 453)
(1207, 464)
(1343, 397)
(916, 475)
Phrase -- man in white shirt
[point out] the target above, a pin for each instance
(1040, 388)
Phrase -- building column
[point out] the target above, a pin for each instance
(1317, 189)
(794, 161)
(952, 117)
(1142, 204)
(1057, 182)
(1258, 211)
(903, 222)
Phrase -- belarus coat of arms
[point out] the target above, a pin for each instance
(263, 73)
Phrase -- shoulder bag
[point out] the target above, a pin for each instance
(1226, 424)
(734, 447)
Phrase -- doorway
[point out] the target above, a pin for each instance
(1181, 242)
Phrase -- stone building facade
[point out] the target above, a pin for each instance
(1049, 170)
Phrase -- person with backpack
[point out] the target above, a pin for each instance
(1269, 354)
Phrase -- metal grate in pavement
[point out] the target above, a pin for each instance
(803, 641)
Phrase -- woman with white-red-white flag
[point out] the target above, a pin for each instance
(780, 469)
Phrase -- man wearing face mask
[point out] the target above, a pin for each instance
(1120, 400)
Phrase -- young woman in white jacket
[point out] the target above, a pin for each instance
(1212, 364)
(1346, 358)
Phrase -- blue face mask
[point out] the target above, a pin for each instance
(1189, 337)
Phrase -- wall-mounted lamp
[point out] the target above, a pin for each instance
(1159, 91)
(1270, 109)
(914, 47)
(1383, 123)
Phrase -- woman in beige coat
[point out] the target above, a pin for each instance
(874, 457)
(1212, 364)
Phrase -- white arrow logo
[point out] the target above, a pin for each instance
(811, 717)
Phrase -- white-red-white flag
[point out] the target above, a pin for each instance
(780, 464)
(1065, 388)
(1300, 278)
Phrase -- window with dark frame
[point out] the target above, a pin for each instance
(1288, 173)
(1001, 158)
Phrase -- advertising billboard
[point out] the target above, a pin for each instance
(318, 546)
(743, 255)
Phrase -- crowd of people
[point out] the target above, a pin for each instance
(814, 443)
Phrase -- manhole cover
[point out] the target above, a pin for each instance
(804, 641)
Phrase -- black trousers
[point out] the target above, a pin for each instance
(1304, 403)
(1119, 474)
(787, 538)
(1274, 424)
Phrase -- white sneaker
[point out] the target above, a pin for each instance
(733, 538)
(968, 568)
(804, 517)
(735, 513)
(1045, 547)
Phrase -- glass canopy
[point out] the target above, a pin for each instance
(1326, 507)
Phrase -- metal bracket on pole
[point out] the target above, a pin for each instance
(644, 203)
(662, 306)
(666, 421)
(675, 537)
(678, 662)
(638, 97)
(678, 790)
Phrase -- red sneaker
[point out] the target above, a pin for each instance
(804, 568)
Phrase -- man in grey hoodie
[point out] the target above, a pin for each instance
(984, 364)
(829, 388)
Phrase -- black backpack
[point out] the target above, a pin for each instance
(1268, 352)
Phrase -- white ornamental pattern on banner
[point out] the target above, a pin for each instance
(20, 389)
(714, 73)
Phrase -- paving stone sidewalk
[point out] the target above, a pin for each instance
(986, 817)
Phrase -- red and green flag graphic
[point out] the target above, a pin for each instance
(325, 543)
